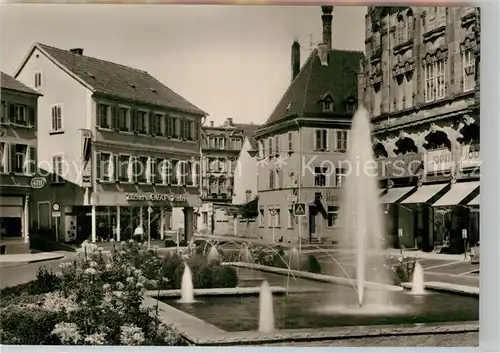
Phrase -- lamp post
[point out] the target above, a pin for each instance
(273, 212)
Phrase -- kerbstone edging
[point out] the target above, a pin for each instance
(215, 291)
(446, 287)
(313, 276)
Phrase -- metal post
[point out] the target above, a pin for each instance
(149, 227)
(300, 234)
(94, 224)
(118, 224)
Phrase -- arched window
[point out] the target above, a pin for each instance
(401, 29)
(409, 25)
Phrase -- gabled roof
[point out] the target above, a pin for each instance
(10, 83)
(117, 80)
(314, 81)
(248, 130)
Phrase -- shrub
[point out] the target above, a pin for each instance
(224, 277)
(402, 270)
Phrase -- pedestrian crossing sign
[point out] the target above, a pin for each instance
(299, 208)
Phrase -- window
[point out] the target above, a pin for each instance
(221, 142)
(263, 142)
(57, 169)
(341, 140)
(408, 90)
(339, 177)
(290, 142)
(170, 127)
(469, 66)
(123, 119)
(350, 107)
(170, 176)
(409, 25)
(142, 172)
(104, 166)
(291, 219)
(327, 105)
(19, 114)
(321, 142)
(270, 146)
(333, 217)
(435, 81)
(124, 170)
(3, 113)
(277, 218)
(212, 142)
(3, 157)
(103, 116)
(401, 30)
(261, 217)
(271, 217)
(213, 186)
(37, 78)
(277, 142)
(236, 144)
(272, 179)
(320, 176)
(141, 124)
(278, 179)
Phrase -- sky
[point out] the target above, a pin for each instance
(229, 60)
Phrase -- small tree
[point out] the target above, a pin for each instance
(250, 209)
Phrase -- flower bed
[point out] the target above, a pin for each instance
(97, 300)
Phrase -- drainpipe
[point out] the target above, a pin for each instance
(300, 183)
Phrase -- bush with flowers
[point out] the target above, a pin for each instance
(97, 299)
(400, 268)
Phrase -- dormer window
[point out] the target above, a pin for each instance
(350, 105)
(327, 103)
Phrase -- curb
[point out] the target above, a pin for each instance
(447, 288)
(18, 263)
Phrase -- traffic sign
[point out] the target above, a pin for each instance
(464, 233)
(299, 208)
(56, 214)
(55, 206)
(150, 209)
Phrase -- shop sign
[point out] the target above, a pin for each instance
(86, 158)
(438, 161)
(403, 166)
(155, 197)
(471, 157)
(38, 182)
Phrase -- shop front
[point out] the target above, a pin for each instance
(457, 211)
(135, 215)
(14, 213)
(401, 175)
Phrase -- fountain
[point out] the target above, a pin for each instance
(361, 208)
(245, 254)
(266, 314)
(187, 292)
(418, 287)
(213, 254)
(294, 259)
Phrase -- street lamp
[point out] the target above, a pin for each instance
(273, 212)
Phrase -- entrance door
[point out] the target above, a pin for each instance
(44, 215)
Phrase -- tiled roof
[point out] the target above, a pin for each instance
(338, 79)
(9, 82)
(248, 130)
(120, 81)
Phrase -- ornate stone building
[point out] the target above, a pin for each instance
(419, 85)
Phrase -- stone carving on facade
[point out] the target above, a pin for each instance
(436, 138)
(431, 57)
(405, 144)
(390, 184)
(467, 130)
(469, 43)
(376, 76)
(406, 67)
(468, 16)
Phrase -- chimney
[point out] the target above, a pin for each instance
(229, 121)
(295, 59)
(211, 123)
(323, 54)
(327, 25)
(78, 51)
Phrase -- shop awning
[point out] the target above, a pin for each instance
(424, 193)
(394, 194)
(456, 194)
(474, 202)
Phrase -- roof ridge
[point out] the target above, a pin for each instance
(92, 57)
(290, 85)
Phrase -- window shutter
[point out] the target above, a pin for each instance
(12, 155)
(135, 169)
(181, 134)
(31, 117)
(133, 119)
(12, 113)
(318, 140)
(116, 167)
(33, 164)
(98, 166)
(152, 123)
(114, 117)
(97, 114)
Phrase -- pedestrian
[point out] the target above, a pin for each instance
(138, 233)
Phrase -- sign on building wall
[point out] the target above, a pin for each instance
(155, 197)
(438, 161)
(86, 158)
(470, 157)
(403, 166)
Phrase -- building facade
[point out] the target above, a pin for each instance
(121, 149)
(419, 79)
(228, 175)
(304, 142)
(18, 156)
